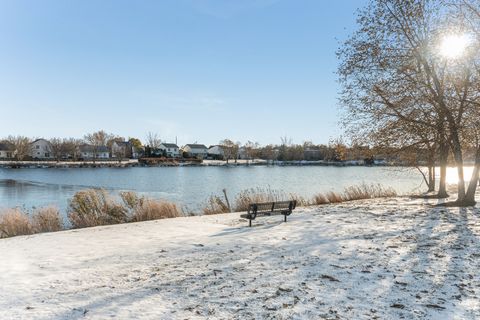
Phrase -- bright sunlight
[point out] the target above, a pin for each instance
(453, 46)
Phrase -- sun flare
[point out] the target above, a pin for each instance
(453, 46)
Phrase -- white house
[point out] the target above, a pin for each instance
(216, 152)
(199, 151)
(171, 150)
(41, 149)
(6, 150)
(121, 149)
(87, 152)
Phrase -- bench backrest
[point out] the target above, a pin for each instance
(272, 206)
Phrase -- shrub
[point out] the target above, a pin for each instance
(153, 209)
(94, 207)
(13, 222)
(47, 219)
(215, 205)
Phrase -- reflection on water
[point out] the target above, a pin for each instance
(190, 186)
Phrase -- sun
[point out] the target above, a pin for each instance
(453, 46)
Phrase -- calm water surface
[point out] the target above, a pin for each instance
(190, 186)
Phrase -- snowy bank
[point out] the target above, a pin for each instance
(385, 258)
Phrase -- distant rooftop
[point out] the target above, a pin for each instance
(196, 146)
(170, 145)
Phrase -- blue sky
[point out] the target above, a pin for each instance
(202, 70)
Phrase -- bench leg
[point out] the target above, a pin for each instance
(249, 222)
(285, 217)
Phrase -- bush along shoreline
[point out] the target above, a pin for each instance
(96, 207)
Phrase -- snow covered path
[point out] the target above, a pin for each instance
(388, 258)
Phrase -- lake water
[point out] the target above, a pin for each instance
(190, 186)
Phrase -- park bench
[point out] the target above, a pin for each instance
(268, 209)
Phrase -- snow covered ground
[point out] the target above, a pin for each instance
(388, 258)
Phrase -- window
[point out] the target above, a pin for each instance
(37, 147)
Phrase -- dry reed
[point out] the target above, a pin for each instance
(363, 191)
(13, 222)
(47, 219)
(215, 205)
(94, 207)
(153, 209)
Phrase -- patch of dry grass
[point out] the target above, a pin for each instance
(215, 205)
(14, 222)
(257, 195)
(47, 219)
(155, 209)
(319, 199)
(334, 197)
(363, 191)
(94, 207)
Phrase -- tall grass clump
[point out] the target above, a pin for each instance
(334, 197)
(143, 209)
(215, 205)
(257, 195)
(365, 191)
(320, 198)
(14, 222)
(94, 207)
(131, 200)
(47, 219)
(155, 209)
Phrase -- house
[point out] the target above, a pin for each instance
(171, 150)
(199, 151)
(243, 153)
(88, 152)
(41, 149)
(122, 149)
(216, 152)
(137, 152)
(6, 150)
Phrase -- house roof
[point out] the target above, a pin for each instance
(36, 140)
(90, 148)
(6, 146)
(169, 145)
(196, 146)
(122, 143)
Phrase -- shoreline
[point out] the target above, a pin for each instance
(172, 163)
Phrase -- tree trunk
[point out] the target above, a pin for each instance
(472, 186)
(442, 187)
(431, 178)
(457, 153)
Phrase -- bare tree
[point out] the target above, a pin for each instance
(57, 148)
(251, 150)
(22, 145)
(230, 149)
(96, 140)
(153, 140)
(71, 147)
(392, 73)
